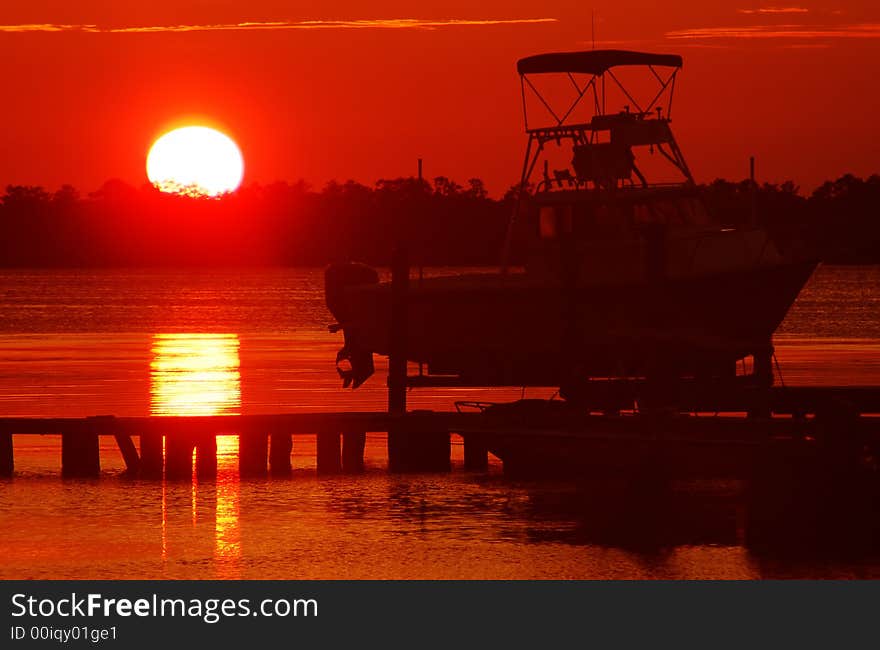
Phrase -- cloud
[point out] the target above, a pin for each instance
(45, 27)
(775, 10)
(803, 32)
(392, 23)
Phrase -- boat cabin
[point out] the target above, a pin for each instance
(602, 206)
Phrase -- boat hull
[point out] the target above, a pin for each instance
(498, 329)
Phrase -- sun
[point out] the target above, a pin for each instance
(195, 161)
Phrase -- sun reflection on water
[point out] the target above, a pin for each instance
(199, 375)
(195, 374)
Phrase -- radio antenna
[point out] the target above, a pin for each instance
(593, 26)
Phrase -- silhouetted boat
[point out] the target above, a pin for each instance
(625, 277)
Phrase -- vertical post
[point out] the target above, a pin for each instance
(763, 376)
(569, 270)
(80, 455)
(476, 455)
(7, 461)
(152, 461)
(520, 190)
(593, 27)
(353, 443)
(397, 353)
(421, 259)
(753, 192)
(329, 454)
(206, 456)
(179, 456)
(398, 334)
(280, 448)
(764, 367)
(253, 450)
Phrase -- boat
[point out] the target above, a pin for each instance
(626, 276)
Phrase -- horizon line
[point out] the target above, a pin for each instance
(322, 187)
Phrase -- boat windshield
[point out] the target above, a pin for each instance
(682, 211)
(558, 219)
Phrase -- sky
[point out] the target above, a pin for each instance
(361, 90)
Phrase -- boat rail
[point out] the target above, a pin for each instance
(545, 186)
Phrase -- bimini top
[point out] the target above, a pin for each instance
(592, 61)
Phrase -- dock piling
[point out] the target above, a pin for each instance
(7, 459)
(353, 443)
(399, 451)
(763, 372)
(206, 456)
(179, 457)
(476, 455)
(398, 334)
(152, 461)
(80, 455)
(329, 453)
(764, 366)
(280, 448)
(253, 452)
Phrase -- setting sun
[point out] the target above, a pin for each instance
(196, 161)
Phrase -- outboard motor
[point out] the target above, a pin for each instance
(354, 362)
(337, 278)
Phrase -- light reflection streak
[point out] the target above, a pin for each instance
(164, 526)
(195, 374)
(198, 374)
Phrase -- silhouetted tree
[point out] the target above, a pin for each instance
(443, 222)
(476, 189)
(445, 187)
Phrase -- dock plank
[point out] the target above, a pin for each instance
(293, 423)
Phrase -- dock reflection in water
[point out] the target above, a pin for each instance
(199, 374)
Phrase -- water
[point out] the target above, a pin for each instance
(140, 342)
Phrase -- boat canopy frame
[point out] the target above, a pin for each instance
(650, 121)
(599, 64)
(648, 124)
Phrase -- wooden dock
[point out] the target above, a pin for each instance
(419, 441)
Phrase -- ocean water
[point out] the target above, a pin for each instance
(76, 343)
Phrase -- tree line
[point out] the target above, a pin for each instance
(840, 219)
(442, 222)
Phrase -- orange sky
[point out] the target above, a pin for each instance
(353, 92)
